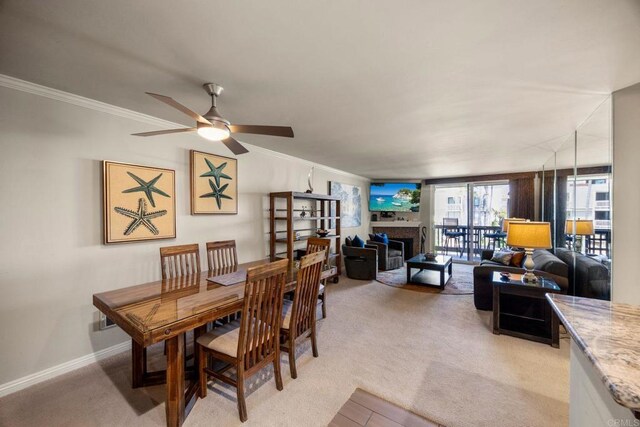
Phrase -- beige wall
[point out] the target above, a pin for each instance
(52, 258)
(626, 194)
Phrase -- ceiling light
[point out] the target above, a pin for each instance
(214, 132)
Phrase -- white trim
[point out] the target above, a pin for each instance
(92, 104)
(63, 368)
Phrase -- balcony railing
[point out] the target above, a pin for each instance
(483, 238)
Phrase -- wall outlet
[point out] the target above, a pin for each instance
(105, 322)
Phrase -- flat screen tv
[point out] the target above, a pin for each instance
(394, 197)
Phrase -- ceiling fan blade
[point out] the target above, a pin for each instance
(162, 132)
(235, 147)
(285, 131)
(175, 104)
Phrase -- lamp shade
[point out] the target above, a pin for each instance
(584, 227)
(529, 235)
(506, 221)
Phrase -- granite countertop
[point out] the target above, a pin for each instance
(608, 334)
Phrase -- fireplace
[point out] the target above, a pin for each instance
(407, 232)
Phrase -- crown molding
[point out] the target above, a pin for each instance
(92, 104)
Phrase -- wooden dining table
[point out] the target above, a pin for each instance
(163, 311)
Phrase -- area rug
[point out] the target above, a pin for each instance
(461, 282)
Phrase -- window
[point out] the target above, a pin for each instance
(602, 196)
(451, 200)
(599, 181)
(603, 215)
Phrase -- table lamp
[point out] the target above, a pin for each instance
(506, 221)
(584, 227)
(530, 236)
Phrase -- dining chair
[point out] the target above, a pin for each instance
(251, 343)
(299, 315)
(316, 244)
(222, 255)
(178, 261)
(222, 258)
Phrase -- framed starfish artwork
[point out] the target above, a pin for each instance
(214, 184)
(139, 202)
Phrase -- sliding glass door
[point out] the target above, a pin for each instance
(468, 218)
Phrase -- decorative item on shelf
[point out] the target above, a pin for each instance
(374, 217)
(309, 179)
(296, 236)
(583, 227)
(139, 203)
(304, 212)
(322, 233)
(530, 236)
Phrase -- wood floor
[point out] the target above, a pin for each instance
(365, 409)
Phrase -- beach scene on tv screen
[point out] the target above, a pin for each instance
(394, 196)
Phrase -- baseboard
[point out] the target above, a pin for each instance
(63, 368)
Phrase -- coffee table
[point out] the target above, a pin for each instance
(521, 310)
(441, 263)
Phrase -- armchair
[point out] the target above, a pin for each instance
(360, 263)
(390, 256)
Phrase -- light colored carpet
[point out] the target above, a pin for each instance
(460, 283)
(431, 354)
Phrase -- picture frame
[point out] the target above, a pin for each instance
(139, 203)
(214, 184)
(350, 204)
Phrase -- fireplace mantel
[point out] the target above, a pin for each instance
(375, 224)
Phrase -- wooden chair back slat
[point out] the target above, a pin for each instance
(262, 312)
(316, 244)
(178, 261)
(222, 256)
(305, 299)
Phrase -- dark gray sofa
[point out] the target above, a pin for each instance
(545, 263)
(588, 277)
(361, 263)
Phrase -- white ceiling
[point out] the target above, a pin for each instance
(410, 89)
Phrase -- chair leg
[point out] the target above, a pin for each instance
(324, 304)
(242, 406)
(202, 375)
(314, 343)
(277, 372)
(292, 359)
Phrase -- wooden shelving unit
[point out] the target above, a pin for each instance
(285, 209)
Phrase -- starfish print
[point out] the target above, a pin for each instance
(216, 172)
(141, 217)
(148, 187)
(217, 193)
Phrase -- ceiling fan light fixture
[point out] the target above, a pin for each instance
(213, 132)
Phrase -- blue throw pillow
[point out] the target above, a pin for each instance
(382, 238)
(357, 242)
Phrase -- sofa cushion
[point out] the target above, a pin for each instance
(348, 241)
(502, 256)
(544, 260)
(489, 262)
(394, 253)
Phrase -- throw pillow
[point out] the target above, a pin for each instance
(348, 241)
(502, 256)
(517, 258)
(357, 242)
(382, 238)
(372, 236)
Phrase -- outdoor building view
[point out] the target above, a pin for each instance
(592, 196)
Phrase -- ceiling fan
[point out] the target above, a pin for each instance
(213, 126)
